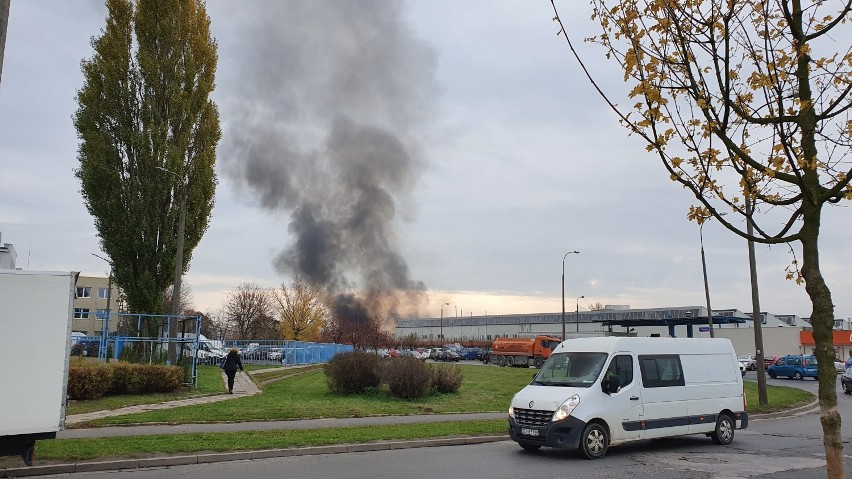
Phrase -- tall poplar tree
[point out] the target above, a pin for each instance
(145, 108)
(748, 105)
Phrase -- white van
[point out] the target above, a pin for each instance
(596, 392)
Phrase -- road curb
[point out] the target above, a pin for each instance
(808, 408)
(167, 461)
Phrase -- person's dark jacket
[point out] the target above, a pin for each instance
(232, 362)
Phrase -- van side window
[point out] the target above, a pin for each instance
(661, 370)
(621, 366)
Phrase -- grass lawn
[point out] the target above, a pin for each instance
(779, 398)
(145, 446)
(485, 389)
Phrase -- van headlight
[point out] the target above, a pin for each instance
(511, 412)
(566, 408)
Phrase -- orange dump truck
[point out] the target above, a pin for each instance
(522, 351)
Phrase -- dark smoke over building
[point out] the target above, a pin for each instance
(324, 128)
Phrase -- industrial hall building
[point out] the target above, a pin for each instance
(782, 334)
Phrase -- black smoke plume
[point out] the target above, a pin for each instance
(325, 126)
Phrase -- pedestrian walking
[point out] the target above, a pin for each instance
(230, 364)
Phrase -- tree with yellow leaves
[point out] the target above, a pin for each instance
(747, 105)
(302, 310)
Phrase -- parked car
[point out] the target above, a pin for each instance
(846, 381)
(484, 355)
(839, 366)
(742, 368)
(749, 361)
(275, 354)
(469, 353)
(769, 361)
(794, 366)
(447, 355)
(409, 353)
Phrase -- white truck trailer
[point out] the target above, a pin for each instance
(35, 313)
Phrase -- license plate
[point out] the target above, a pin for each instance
(529, 432)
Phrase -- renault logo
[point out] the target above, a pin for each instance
(531, 404)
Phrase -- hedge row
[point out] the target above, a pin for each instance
(407, 378)
(89, 380)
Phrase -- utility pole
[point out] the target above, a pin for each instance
(755, 313)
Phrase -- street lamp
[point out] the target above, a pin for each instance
(441, 334)
(179, 252)
(109, 279)
(563, 291)
(578, 312)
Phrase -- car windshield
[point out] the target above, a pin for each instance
(571, 369)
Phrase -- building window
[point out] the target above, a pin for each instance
(103, 293)
(84, 292)
(81, 313)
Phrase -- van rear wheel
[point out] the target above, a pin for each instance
(724, 432)
(594, 442)
(798, 375)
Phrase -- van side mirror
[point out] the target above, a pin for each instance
(610, 384)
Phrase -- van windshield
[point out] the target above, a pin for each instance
(571, 369)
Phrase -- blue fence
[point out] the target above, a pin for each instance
(148, 338)
(284, 352)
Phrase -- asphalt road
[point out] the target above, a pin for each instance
(787, 448)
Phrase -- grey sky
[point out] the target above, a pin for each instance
(520, 163)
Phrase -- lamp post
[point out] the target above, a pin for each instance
(577, 312)
(441, 334)
(563, 291)
(109, 279)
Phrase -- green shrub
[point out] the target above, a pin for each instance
(446, 378)
(353, 372)
(407, 378)
(88, 380)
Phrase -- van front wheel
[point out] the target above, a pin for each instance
(594, 441)
(724, 432)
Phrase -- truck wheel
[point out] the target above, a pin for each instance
(724, 432)
(538, 362)
(594, 441)
(501, 361)
(510, 361)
